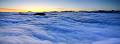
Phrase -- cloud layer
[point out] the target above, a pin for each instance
(62, 28)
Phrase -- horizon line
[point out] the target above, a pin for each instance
(47, 10)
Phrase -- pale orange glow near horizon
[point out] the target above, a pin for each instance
(40, 9)
(58, 5)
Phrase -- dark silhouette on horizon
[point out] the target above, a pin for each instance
(42, 14)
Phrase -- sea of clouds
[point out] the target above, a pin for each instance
(60, 28)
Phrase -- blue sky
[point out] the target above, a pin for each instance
(84, 4)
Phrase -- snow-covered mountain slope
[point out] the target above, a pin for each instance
(60, 28)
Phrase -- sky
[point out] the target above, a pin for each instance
(58, 5)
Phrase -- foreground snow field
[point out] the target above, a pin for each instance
(60, 28)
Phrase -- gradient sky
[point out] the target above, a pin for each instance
(42, 4)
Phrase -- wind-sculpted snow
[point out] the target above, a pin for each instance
(60, 28)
